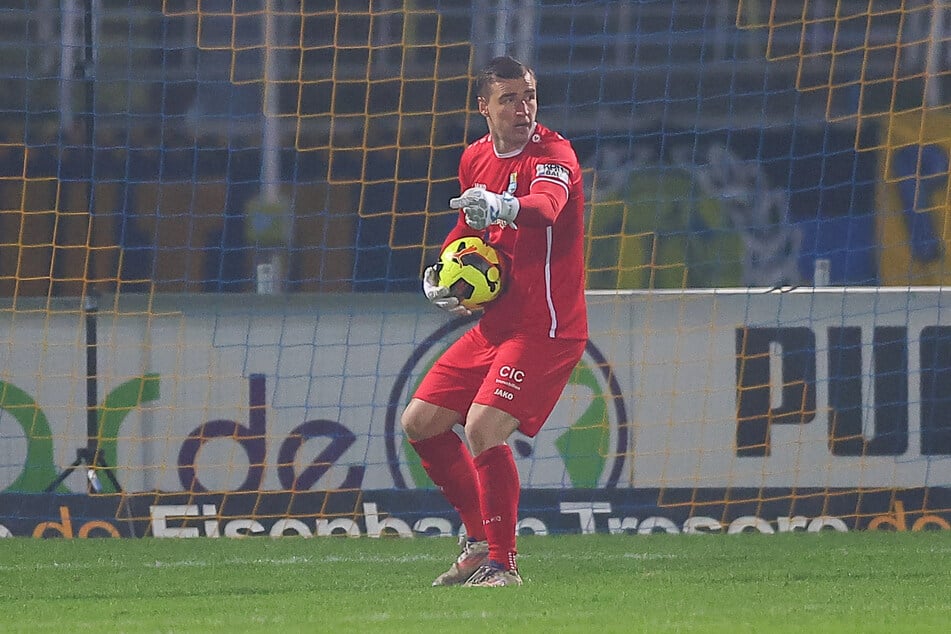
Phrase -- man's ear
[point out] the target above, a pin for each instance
(483, 106)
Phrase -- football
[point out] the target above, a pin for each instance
(471, 270)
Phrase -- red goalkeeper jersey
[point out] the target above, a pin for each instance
(543, 258)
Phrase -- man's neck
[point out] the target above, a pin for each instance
(503, 152)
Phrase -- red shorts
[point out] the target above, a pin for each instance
(521, 376)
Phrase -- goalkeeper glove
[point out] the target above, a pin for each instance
(483, 208)
(439, 295)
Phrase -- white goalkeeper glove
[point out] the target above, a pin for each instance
(483, 208)
(439, 295)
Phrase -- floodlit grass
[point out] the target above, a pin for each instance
(855, 582)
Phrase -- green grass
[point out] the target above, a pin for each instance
(830, 582)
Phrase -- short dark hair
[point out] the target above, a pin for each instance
(502, 67)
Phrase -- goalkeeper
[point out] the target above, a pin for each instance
(522, 192)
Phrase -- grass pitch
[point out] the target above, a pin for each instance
(830, 582)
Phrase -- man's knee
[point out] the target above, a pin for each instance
(422, 420)
(413, 423)
(487, 427)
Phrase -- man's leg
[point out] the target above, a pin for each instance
(500, 488)
(487, 429)
(446, 460)
(520, 390)
(449, 465)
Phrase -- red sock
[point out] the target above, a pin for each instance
(449, 464)
(499, 488)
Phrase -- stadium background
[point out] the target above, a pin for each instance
(161, 148)
(180, 147)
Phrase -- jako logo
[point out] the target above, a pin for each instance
(506, 395)
(583, 444)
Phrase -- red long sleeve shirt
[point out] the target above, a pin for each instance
(543, 259)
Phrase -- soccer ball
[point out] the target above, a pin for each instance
(470, 269)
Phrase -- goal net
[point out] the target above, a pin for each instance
(214, 216)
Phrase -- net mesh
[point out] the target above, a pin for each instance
(247, 192)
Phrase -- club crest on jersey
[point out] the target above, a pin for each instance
(554, 171)
(513, 183)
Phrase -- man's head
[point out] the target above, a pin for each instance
(507, 99)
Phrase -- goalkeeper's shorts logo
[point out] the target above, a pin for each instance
(508, 396)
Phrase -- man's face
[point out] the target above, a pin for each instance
(509, 110)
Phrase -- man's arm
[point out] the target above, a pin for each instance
(539, 208)
(542, 205)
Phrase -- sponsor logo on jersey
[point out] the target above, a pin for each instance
(552, 170)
